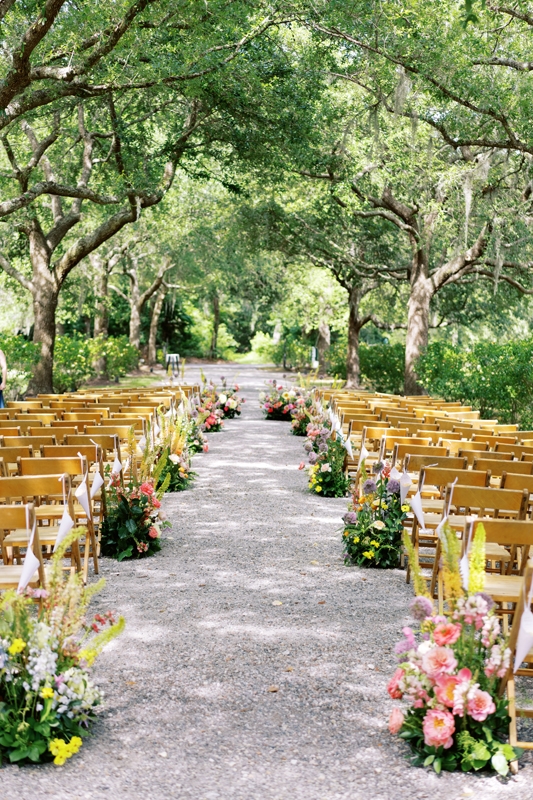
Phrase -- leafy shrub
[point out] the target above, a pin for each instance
(73, 362)
(495, 378)
(383, 366)
(21, 356)
(120, 356)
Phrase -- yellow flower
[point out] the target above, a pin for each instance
(374, 544)
(375, 504)
(61, 750)
(318, 488)
(369, 554)
(406, 508)
(47, 693)
(346, 533)
(355, 539)
(17, 646)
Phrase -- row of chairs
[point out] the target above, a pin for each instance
(461, 469)
(54, 479)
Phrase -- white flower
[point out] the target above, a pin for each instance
(425, 646)
(174, 458)
(325, 467)
(222, 398)
(378, 524)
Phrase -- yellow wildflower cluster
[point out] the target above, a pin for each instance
(313, 483)
(368, 554)
(16, 646)
(374, 543)
(63, 750)
(476, 577)
(47, 693)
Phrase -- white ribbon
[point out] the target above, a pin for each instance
(65, 526)
(524, 642)
(416, 507)
(83, 496)
(348, 447)
(142, 443)
(362, 456)
(181, 409)
(117, 466)
(405, 484)
(395, 474)
(464, 563)
(31, 562)
(98, 481)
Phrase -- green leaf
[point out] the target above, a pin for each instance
(500, 763)
(437, 765)
(429, 760)
(125, 553)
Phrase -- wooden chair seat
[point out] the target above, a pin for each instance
(503, 588)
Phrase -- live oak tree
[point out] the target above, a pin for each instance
(115, 154)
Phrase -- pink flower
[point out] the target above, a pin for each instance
(146, 488)
(156, 503)
(153, 533)
(302, 465)
(438, 727)
(438, 660)
(205, 448)
(480, 705)
(393, 684)
(446, 633)
(396, 720)
(445, 688)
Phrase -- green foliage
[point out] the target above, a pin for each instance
(74, 358)
(327, 476)
(120, 356)
(72, 363)
(495, 378)
(21, 355)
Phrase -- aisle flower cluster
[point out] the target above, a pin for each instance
(449, 674)
(47, 699)
(326, 468)
(373, 526)
(214, 405)
(277, 402)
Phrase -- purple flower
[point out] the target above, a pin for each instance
(312, 458)
(406, 644)
(322, 447)
(487, 598)
(393, 487)
(377, 467)
(308, 446)
(350, 518)
(369, 486)
(421, 607)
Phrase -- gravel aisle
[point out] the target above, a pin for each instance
(250, 593)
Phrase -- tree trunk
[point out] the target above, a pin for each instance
(154, 322)
(417, 331)
(44, 333)
(354, 328)
(101, 309)
(216, 325)
(323, 343)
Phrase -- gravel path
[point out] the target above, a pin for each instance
(248, 594)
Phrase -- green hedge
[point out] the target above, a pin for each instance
(495, 378)
(74, 358)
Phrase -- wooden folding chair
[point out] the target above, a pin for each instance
(498, 466)
(47, 491)
(472, 455)
(17, 517)
(508, 682)
(413, 463)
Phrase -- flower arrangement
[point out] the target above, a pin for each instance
(278, 403)
(449, 675)
(171, 446)
(196, 439)
(373, 526)
(133, 523)
(229, 401)
(47, 699)
(302, 415)
(326, 471)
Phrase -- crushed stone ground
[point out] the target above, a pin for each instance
(249, 593)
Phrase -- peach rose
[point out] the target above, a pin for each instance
(480, 705)
(438, 728)
(438, 660)
(146, 488)
(396, 720)
(446, 633)
(444, 689)
(393, 684)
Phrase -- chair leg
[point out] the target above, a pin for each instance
(513, 737)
